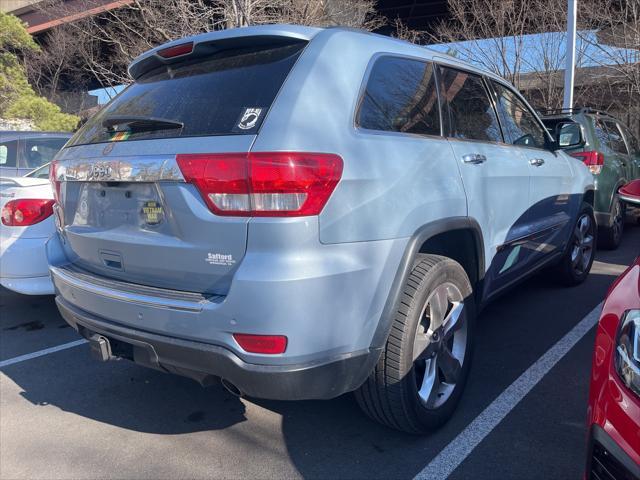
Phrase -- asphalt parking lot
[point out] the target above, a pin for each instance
(63, 415)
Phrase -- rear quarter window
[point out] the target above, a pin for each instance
(615, 136)
(224, 94)
(632, 141)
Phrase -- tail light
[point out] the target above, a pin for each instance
(53, 178)
(279, 184)
(594, 160)
(26, 211)
(266, 344)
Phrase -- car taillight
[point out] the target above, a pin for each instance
(279, 184)
(594, 160)
(266, 344)
(26, 211)
(53, 178)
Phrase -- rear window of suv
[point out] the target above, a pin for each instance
(224, 94)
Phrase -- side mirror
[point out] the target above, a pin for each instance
(569, 135)
(630, 193)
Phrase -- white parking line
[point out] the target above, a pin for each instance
(461, 447)
(40, 353)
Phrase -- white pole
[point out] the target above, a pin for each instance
(569, 72)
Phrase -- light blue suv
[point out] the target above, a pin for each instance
(306, 212)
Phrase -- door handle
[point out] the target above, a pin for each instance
(537, 162)
(474, 158)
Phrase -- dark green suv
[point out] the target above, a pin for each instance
(611, 152)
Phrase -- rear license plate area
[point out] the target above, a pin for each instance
(111, 205)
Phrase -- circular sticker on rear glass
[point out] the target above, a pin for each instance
(152, 212)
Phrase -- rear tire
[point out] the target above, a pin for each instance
(610, 237)
(423, 368)
(576, 263)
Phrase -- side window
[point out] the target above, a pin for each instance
(603, 136)
(519, 123)
(617, 142)
(8, 153)
(401, 96)
(39, 151)
(470, 110)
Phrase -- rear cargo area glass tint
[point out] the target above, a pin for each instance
(223, 94)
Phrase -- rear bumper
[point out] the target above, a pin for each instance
(204, 362)
(29, 285)
(23, 257)
(24, 267)
(327, 299)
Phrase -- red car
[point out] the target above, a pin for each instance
(614, 399)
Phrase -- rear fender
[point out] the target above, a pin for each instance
(422, 235)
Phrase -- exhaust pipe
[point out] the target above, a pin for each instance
(231, 388)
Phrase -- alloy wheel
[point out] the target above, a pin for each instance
(440, 345)
(583, 244)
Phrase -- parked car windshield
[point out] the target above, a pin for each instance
(223, 94)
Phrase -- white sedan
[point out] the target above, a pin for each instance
(27, 224)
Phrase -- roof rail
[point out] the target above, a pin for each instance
(560, 111)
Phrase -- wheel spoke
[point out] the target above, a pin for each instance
(454, 320)
(585, 222)
(438, 305)
(428, 392)
(588, 242)
(576, 256)
(449, 365)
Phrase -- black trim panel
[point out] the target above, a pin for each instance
(525, 238)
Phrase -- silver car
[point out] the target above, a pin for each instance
(306, 212)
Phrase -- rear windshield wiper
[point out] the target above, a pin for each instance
(139, 123)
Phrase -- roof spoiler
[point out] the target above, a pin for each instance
(207, 44)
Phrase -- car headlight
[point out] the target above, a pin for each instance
(627, 359)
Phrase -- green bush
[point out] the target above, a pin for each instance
(17, 98)
(45, 115)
